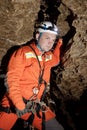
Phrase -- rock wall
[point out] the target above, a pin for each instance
(17, 22)
(71, 79)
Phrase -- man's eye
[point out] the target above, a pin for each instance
(47, 37)
(53, 40)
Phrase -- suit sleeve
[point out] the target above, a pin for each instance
(15, 71)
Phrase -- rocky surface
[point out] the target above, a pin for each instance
(75, 58)
(17, 22)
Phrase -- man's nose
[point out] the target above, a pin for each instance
(50, 42)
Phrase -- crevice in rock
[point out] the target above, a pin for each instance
(48, 11)
(70, 34)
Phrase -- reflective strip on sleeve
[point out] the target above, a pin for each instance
(48, 57)
(32, 55)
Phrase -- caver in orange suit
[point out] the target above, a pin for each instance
(22, 77)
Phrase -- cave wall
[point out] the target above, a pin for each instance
(17, 21)
(74, 78)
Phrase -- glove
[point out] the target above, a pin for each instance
(21, 112)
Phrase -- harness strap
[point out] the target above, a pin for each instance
(41, 70)
(5, 109)
(43, 121)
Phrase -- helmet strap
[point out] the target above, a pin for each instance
(38, 45)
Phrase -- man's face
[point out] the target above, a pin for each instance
(46, 41)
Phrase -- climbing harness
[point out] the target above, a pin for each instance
(38, 104)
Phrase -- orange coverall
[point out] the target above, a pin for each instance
(22, 77)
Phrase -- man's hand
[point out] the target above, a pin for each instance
(21, 112)
(27, 109)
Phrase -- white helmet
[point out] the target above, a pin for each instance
(48, 27)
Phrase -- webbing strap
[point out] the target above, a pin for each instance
(40, 79)
(35, 55)
(43, 121)
(5, 109)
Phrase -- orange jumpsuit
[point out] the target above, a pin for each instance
(22, 77)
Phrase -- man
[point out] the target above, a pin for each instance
(27, 78)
